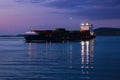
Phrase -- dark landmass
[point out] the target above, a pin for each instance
(107, 31)
(20, 35)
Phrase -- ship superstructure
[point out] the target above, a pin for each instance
(86, 29)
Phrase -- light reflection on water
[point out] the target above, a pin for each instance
(97, 59)
(87, 55)
(32, 52)
(87, 49)
(71, 57)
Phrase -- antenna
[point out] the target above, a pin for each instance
(87, 20)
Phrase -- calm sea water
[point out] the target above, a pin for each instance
(98, 59)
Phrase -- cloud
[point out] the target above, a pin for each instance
(91, 9)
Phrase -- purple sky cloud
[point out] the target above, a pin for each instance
(18, 16)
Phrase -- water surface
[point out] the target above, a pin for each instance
(98, 59)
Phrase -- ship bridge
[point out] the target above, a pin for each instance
(86, 27)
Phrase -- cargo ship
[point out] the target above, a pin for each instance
(61, 34)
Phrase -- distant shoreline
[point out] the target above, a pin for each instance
(103, 31)
(107, 31)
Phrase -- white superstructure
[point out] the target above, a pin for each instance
(85, 26)
(30, 33)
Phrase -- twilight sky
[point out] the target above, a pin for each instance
(18, 16)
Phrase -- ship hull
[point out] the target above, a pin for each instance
(38, 38)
